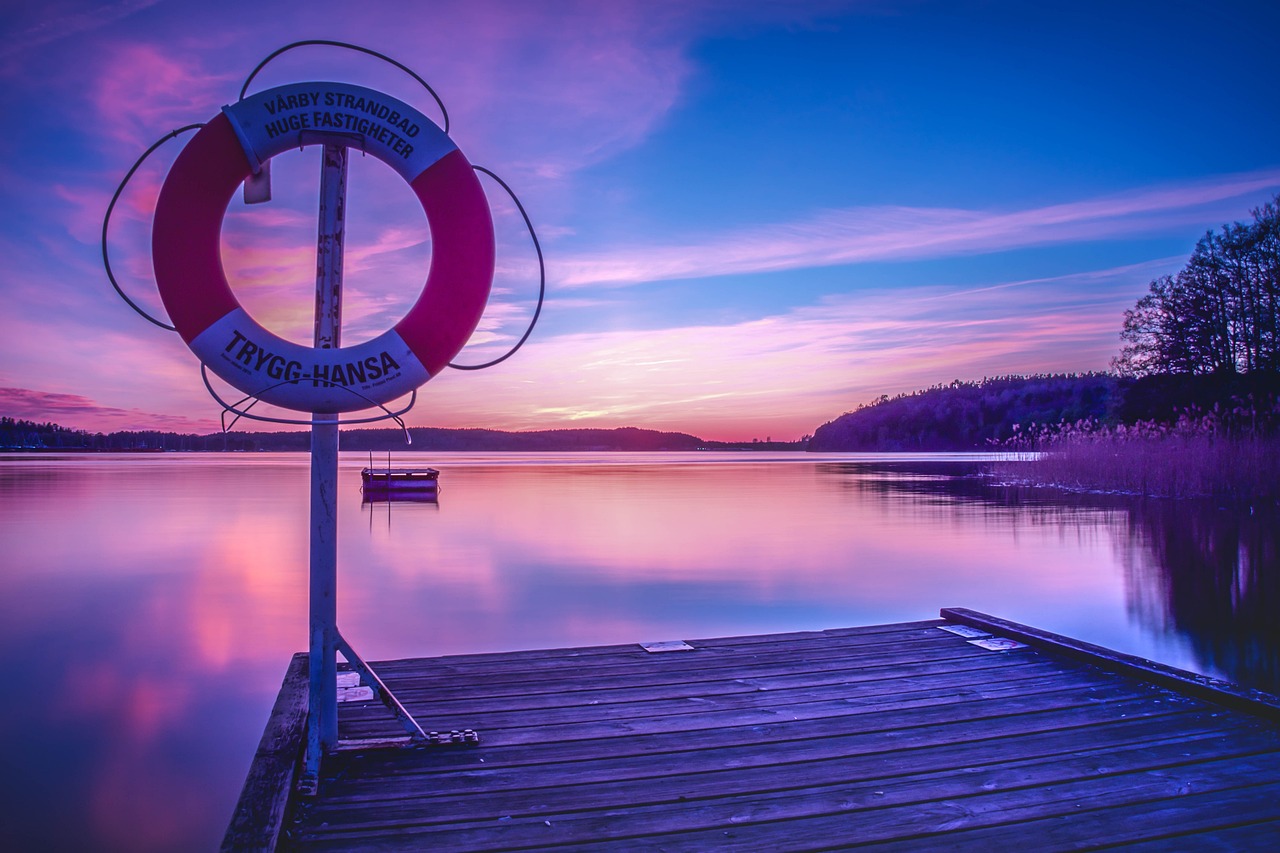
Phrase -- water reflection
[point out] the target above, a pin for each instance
(1211, 574)
(149, 604)
(1193, 569)
(154, 601)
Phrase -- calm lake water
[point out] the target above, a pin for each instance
(150, 603)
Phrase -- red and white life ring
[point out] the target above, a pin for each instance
(188, 266)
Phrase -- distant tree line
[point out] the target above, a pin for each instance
(29, 435)
(1219, 314)
(481, 440)
(16, 434)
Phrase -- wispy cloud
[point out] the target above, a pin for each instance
(81, 412)
(862, 234)
(782, 375)
(52, 20)
(143, 91)
(779, 375)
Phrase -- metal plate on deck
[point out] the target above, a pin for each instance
(964, 630)
(355, 694)
(998, 644)
(667, 646)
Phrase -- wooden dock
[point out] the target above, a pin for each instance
(905, 737)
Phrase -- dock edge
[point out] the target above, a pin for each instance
(259, 814)
(1214, 690)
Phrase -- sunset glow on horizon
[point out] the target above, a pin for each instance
(754, 216)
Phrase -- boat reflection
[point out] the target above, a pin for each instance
(379, 492)
(398, 484)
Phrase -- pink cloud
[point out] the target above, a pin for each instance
(79, 412)
(141, 92)
(784, 374)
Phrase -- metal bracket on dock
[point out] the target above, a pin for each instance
(464, 737)
(380, 691)
(308, 782)
(417, 737)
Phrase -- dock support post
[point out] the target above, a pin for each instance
(325, 640)
(322, 717)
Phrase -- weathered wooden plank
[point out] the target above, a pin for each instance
(953, 686)
(861, 630)
(639, 666)
(534, 659)
(836, 795)
(1010, 819)
(531, 685)
(1190, 683)
(996, 713)
(888, 670)
(950, 655)
(1204, 738)
(844, 638)
(394, 773)
(845, 817)
(599, 703)
(693, 719)
(1179, 815)
(259, 814)
(1262, 836)
(539, 689)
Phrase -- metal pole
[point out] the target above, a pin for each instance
(322, 721)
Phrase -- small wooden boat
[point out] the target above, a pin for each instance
(392, 483)
(398, 479)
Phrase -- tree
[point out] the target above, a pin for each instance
(1219, 314)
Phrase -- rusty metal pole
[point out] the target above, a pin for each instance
(322, 720)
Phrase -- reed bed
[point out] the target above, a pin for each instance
(1198, 457)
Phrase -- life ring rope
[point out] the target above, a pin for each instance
(106, 223)
(239, 413)
(542, 279)
(347, 46)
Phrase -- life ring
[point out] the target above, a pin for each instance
(187, 258)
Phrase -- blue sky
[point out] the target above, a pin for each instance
(755, 215)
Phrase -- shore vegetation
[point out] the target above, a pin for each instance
(1209, 333)
(1229, 456)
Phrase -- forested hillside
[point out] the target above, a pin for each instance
(981, 415)
(969, 415)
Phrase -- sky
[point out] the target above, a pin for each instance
(755, 215)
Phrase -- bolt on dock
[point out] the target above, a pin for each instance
(969, 732)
